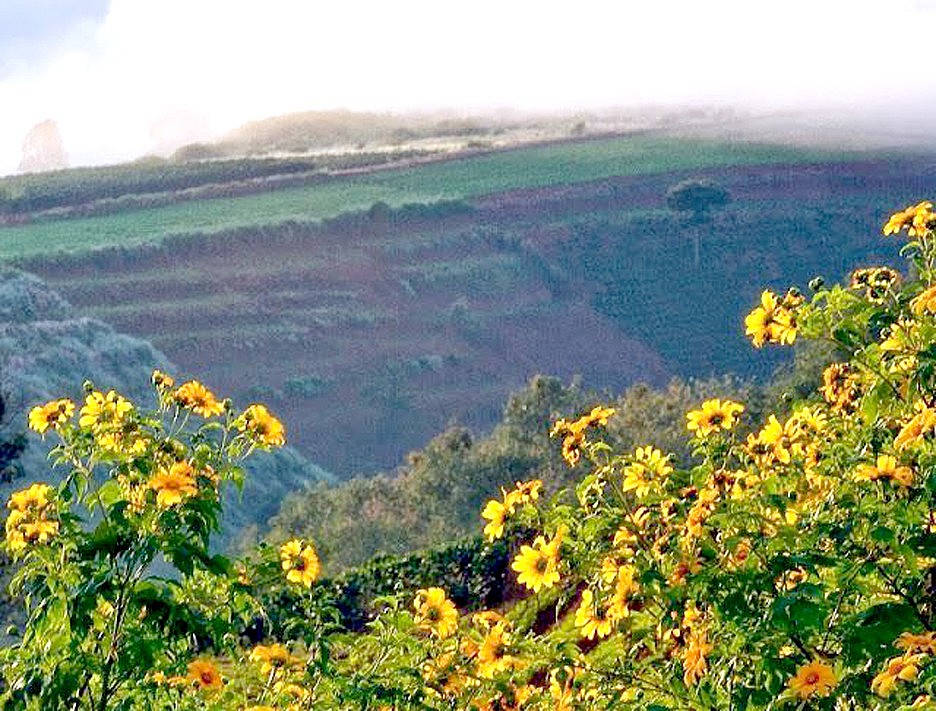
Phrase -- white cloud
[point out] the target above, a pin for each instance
(218, 63)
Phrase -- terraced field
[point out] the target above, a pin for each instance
(370, 333)
(549, 165)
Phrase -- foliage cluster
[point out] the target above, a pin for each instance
(789, 565)
(434, 495)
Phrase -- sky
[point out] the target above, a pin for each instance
(126, 78)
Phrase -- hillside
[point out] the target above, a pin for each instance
(131, 216)
(372, 331)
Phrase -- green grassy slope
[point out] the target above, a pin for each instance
(531, 167)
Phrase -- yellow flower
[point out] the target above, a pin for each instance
(916, 219)
(257, 420)
(102, 410)
(538, 565)
(925, 302)
(924, 642)
(119, 442)
(876, 281)
(496, 514)
(593, 619)
(898, 669)
(886, 468)
(198, 399)
(915, 429)
(51, 415)
(647, 470)
(29, 526)
(527, 492)
(695, 664)
(715, 415)
(494, 653)
(162, 381)
(272, 657)
(770, 445)
(35, 497)
(435, 613)
(442, 675)
(174, 485)
(300, 561)
(204, 675)
(813, 679)
(574, 432)
(773, 321)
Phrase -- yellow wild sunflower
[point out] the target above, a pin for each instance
(300, 562)
(494, 653)
(199, 399)
(592, 618)
(647, 470)
(435, 613)
(204, 675)
(258, 421)
(916, 219)
(273, 658)
(714, 415)
(174, 485)
(496, 514)
(102, 410)
(36, 497)
(52, 415)
(904, 668)
(924, 642)
(538, 565)
(813, 679)
(886, 467)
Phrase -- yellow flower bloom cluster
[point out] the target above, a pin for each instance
(646, 470)
(174, 484)
(917, 219)
(435, 613)
(300, 562)
(916, 428)
(886, 468)
(573, 433)
(496, 512)
(538, 564)
(598, 619)
(877, 282)
(104, 411)
(841, 387)
(274, 659)
(52, 415)
(775, 320)
(28, 521)
(714, 415)
(199, 399)
(258, 421)
(814, 679)
(917, 648)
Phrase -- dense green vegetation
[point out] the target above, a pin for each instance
(438, 493)
(556, 164)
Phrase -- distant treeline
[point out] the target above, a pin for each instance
(154, 182)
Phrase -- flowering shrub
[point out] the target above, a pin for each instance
(794, 565)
